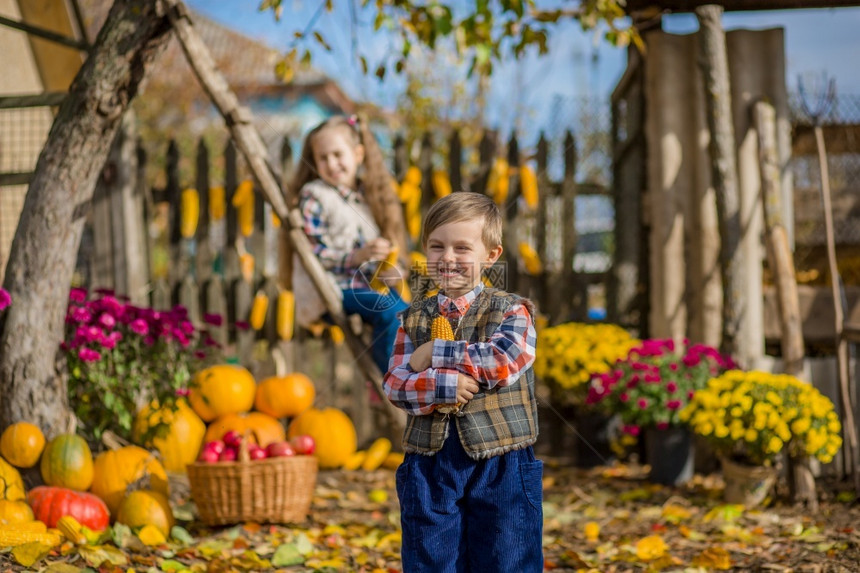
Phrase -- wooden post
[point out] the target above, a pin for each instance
(204, 252)
(575, 302)
(248, 140)
(455, 161)
(801, 480)
(715, 71)
(517, 280)
(776, 240)
(486, 153)
(542, 227)
(849, 425)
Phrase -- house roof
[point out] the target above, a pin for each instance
(248, 65)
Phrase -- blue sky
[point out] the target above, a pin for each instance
(579, 64)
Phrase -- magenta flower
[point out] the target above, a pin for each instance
(673, 404)
(107, 320)
(89, 355)
(5, 298)
(624, 397)
(213, 319)
(631, 429)
(663, 425)
(139, 326)
(78, 295)
(671, 387)
(642, 403)
(79, 314)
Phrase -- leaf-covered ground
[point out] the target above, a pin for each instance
(606, 519)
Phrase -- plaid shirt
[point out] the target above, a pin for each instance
(321, 228)
(500, 361)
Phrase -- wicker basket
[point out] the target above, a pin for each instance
(271, 490)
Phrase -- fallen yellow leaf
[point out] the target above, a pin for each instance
(592, 531)
(650, 548)
(27, 554)
(713, 558)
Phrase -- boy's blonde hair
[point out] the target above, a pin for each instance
(465, 206)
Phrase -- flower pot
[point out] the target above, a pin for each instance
(594, 433)
(747, 485)
(670, 453)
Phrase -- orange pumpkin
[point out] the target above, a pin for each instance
(222, 389)
(181, 444)
(11, 484)
(146, 507)
(262, 429)
(22, 444)
(67, 462)
(285, 396)
(12, 512)
(118, 469)
(333, 432)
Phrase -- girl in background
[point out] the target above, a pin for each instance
(353, 220)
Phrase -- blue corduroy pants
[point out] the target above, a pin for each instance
(464, 515)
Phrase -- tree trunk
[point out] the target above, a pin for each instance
(715, 72)
(46, 242)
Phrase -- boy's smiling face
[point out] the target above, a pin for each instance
(456, 254)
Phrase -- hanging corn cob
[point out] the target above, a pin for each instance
(441, 184)
(498, 181)
(217, 203)
(336, 334)
(530, 259)
(529, 186)
(246, 266)
(243, 201)
(258, 310)
(377, 283)
(189, 213)
(286, 314)
(440, 328)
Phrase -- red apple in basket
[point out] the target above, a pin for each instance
(208, 456)
(216, 445)
(228, 455)
(232, 438)
(303, 444)
(255, 452)
(280, 450)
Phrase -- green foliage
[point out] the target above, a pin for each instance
(484, 32)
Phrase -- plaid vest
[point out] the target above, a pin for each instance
(495, 421)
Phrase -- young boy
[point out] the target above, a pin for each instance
(470, 486)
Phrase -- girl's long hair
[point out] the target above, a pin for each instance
(377, 181)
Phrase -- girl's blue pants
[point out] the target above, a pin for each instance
(380, 312)
(460, 514)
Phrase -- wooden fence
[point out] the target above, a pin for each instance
(219, 268)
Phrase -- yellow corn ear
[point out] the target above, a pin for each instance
(71, 530)
(441, 328)
(19, 534)
(189, 212)
(413, 214)
(413, 176)
(498, 182)
(393, 460)
(529, 186)
(530, 259)
(376, 454)
(354, 461)
(404, 291)
(258, 310)
(377, 283)
(441, 184)
(276, 221)
(243, 201)
(217, 203)
(336, 334)
(286, 314)
(246, 266)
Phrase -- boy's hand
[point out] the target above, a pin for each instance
(422, 357)
(467, 387)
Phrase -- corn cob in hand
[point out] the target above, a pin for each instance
(441, 329)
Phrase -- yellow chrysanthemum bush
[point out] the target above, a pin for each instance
(569, 354)
(752, 417)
